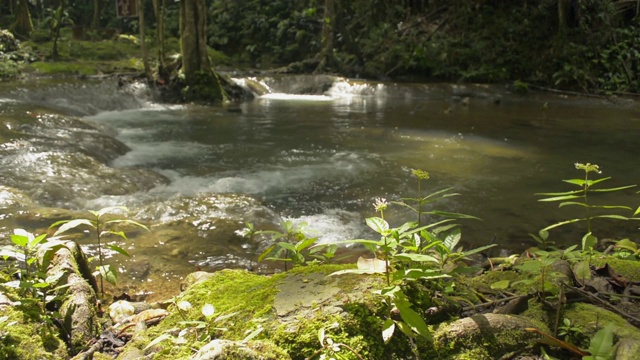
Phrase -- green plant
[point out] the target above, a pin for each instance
(295, 248)
(581, 198)
(571, 333)
(103, 225)
(202, 328)
(330, 349)
(410, 253)
(601, 345)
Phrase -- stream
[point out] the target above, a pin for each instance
(312, 149)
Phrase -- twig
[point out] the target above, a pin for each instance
(473, 307)
(89, 353)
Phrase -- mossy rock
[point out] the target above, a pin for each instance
(591, 318)
(485, 336)
(25, 335)
(630, 269)
(291, 308)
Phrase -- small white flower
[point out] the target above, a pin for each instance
(208, 310)
(184, 305)
(380, 204)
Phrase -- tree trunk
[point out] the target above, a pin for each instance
(143, 44)
(23, 24)
(193, 40)
(158, 9)
(326, 54)
(97, 9)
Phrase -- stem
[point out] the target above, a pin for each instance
(586, 201)
(419, 204)
(386, 254)
(100, 255)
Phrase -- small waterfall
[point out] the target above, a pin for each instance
(87, 97)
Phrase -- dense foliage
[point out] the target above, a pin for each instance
(588, 45)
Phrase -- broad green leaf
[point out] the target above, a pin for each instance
(109, 273)
(582, 271)
(597, 181)
(70, 224)
(416, 257)
(20, 240)
(119, 250)
(452, 239)
(530, 266)
(589, 241)
(37, 240)
(627, 245)
(579, 182)
(413, 319)
(388, 328)
(405, 329)
(379, 225)
(601, 346)
(477, 250)
(287, 246)
(500, 285)
(266, 253)
(305, 243)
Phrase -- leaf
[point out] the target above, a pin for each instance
(119, 250)
(253, 334)
(617, 217)
(225, 316)
(451, 214)
(305, 243)
(321, 336)
(388, 328)
(579, 182)
(627, 244)
(379, 225)
(582, 271)
(452, 239)
(637, 211)
(573, 192)
(109, 273)
(412, 319)
(266, 253)
(612, 189)
(158, 340)
(416, 257)
(500, 285)
(116, 233)
(70, 224)
(287, 246)
(589, 241)
(561, 223)
(601, 346)
(20, 240)
(560, 198)
(477, 250)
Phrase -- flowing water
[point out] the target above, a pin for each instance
(310, 149)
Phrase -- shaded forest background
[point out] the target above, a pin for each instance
(590, 45)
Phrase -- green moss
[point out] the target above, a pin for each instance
(591, 318)
(630, 269)
(25, 336)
